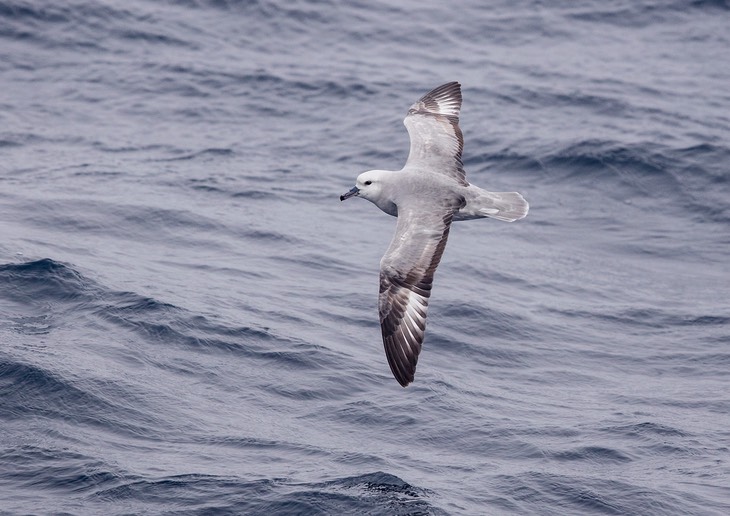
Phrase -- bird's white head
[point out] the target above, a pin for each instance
(369, 185)
(372, 185)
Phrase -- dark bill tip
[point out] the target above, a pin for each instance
(352, 192)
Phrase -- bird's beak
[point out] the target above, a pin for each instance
(355, 191)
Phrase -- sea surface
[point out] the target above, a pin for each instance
(188, 314)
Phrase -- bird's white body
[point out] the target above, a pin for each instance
(388, 185)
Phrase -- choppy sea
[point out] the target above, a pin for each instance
(188, 314)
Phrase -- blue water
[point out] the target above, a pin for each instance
(188, 319)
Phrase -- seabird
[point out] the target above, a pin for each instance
(426, 195)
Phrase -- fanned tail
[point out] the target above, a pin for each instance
(507, 206)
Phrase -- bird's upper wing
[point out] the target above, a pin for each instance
(436, 139)
(406, 275)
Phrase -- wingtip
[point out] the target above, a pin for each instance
(447, 86)
(404, 378)
(402, 371)
(445, 99)
(448, 89)
(403, 382)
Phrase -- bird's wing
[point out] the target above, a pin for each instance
(436, 139)
(406, 275)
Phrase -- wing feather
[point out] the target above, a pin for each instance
(436, 139)
(406, 277)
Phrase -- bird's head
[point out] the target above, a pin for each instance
(369, 185)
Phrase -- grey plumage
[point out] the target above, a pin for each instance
(428, 194)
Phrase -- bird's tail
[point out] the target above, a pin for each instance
(507, 206)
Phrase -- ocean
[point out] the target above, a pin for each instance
(188, 313)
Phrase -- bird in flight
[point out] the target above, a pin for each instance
(426, 195)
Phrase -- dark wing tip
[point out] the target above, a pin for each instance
(450, 89)
(403, 381)
(403, 324)
(402, 366)
(445, 99)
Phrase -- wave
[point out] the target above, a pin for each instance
(563, 494)
(685, 180)
(41, 470)
(75, 25)
(61, 292)
(39, 473)
(643, 14)
(191, 494)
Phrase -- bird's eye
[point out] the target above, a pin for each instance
(368, 183)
